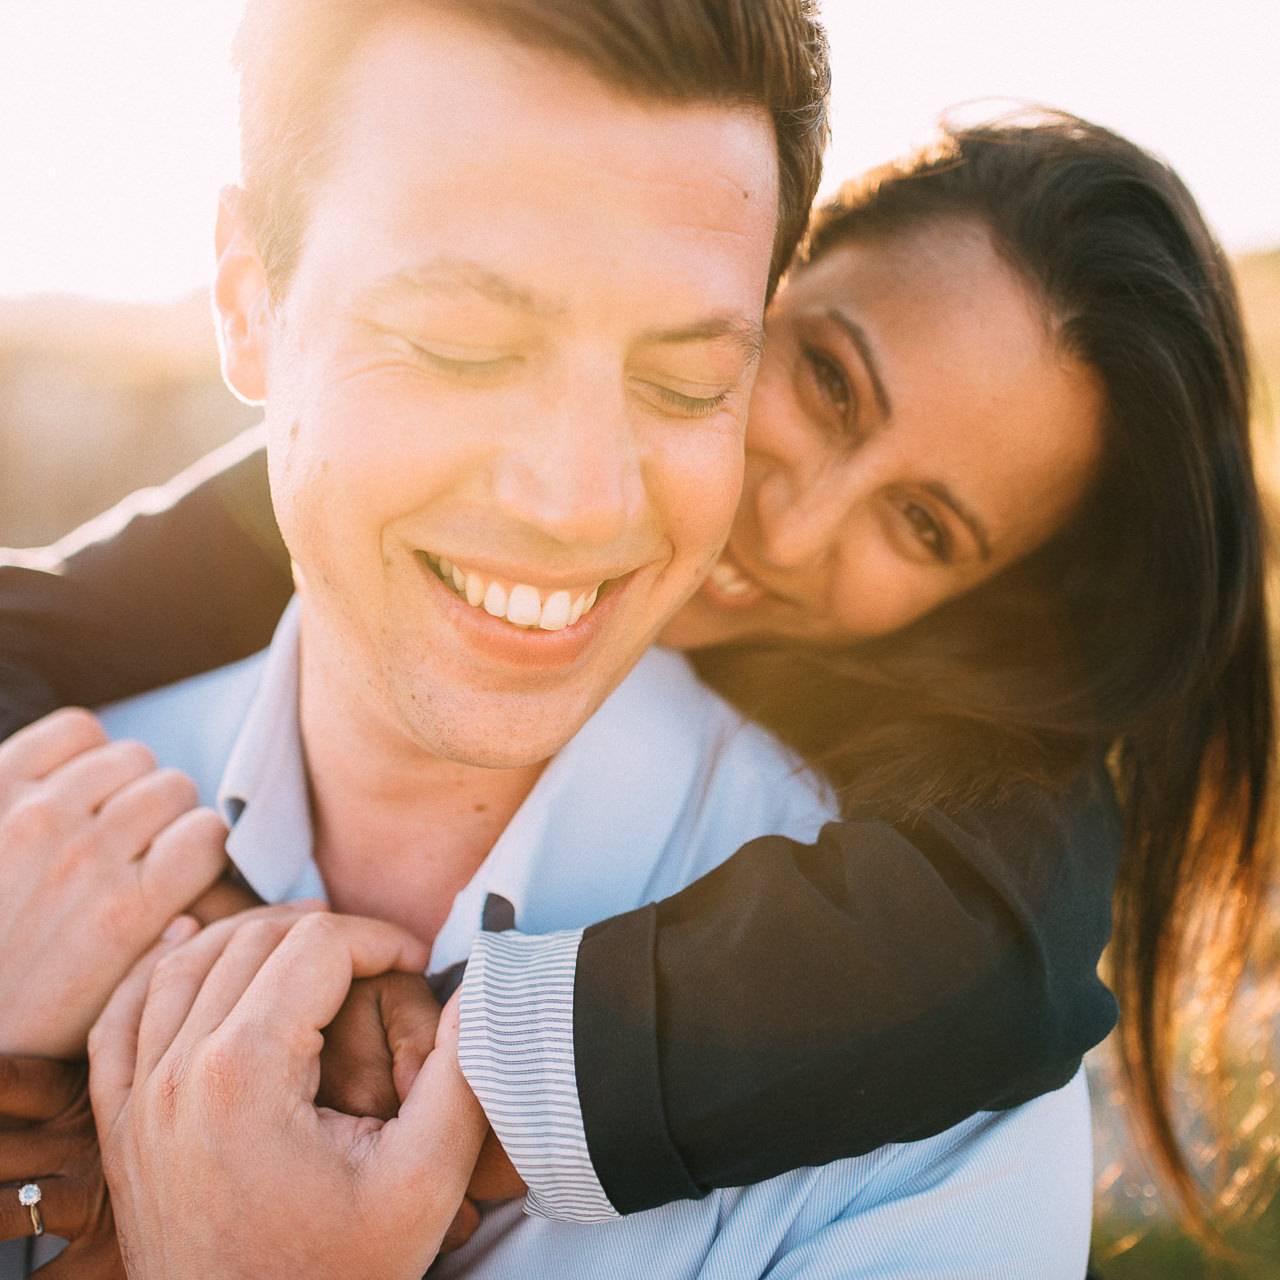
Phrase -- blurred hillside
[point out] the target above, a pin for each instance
(97, 398)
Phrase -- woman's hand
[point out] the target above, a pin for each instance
(99, 850)
(47, 1133)
(203, 1072)
(373, 1051)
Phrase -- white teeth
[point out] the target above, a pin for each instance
(555, 613)
(524, 608)
(495, 601)
(729, 580)
(522, 605)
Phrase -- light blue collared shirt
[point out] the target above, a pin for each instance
(661, 785)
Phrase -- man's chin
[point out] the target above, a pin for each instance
(517, 740)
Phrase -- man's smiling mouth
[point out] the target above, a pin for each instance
(518, 603)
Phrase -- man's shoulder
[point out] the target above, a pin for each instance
(720, 779)
(191, 725)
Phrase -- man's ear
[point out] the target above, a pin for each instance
(242, 303)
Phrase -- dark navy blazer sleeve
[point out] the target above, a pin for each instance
(801, 1004)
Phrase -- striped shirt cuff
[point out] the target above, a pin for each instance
(515, 1047)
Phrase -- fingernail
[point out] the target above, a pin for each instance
(179, 930)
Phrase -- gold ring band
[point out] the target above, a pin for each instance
(29, 1197)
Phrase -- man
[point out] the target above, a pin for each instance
(505, 371)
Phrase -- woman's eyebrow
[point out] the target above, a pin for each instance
(858, 336)
(963, 514)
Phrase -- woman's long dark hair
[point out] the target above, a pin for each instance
(1139, 631)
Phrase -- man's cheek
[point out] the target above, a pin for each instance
(707, 483)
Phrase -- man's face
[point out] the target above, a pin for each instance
(509, 377)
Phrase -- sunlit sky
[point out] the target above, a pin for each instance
(117, 121)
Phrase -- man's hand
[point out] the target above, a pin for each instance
(47, 1133)
(99, 850)
(204, 1071)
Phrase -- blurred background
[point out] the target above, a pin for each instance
(117, 127)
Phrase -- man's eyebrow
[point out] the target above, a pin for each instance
(970, 521)
(858, 336)
(748, 335)
(458, 275)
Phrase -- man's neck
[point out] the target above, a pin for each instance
(398, 832)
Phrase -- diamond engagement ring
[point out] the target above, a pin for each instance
(29, 1197)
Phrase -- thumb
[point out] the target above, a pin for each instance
(410, 1013)
(436, 1139)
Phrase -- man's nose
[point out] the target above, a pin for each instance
(574, 472)
(801, 517)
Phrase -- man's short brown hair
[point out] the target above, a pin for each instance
(770, 54)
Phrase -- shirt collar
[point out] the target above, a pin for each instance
(263, 794)
(587, 838)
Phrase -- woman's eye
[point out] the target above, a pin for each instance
(832, 383)
(928, 531)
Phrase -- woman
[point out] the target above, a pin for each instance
(957, 699)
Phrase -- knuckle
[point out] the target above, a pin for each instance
(32, 819)
(77, 727)
(224, 1069)
(258, 934)
(199, 829)
(169, 1084)
(170, 971)
(316, 929)
(176, 786)
(118, 915)
(136, 754)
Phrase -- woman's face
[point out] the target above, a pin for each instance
(914, 430)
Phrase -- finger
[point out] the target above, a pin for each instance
(300, 989)
(113, 1042)
(441, 1127)
(495, 1177)
(462, 1228)
(355, 1066)
(137, 813)
(225, 897)
(34, 752)
(175, 984)
(54, 1196)
(410, 1013)
(97, 1257)
(65, 1203)
(229, 977)
(37, 1088)
(86, 783)
(184, 860)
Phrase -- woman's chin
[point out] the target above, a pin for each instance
(702, 623)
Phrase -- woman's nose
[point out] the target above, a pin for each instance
(800, 521)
